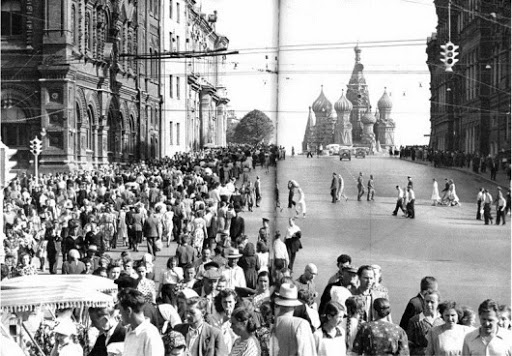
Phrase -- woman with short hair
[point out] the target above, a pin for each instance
(447, 339)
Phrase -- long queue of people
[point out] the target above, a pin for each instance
(220, 294)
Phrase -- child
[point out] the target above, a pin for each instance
(504, 321)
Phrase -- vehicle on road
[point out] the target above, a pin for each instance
(345, 153)
(360, 152)
(333, 149)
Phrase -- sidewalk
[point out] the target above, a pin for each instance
(501, 176)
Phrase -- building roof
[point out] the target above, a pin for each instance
(322, 105)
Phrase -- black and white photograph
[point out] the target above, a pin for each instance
(255, 178)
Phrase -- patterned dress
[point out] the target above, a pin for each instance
(381, 338)
(249, 347)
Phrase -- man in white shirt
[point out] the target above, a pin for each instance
(142, 337)
(411, 197)
(479, 199)
(399, 201)
(489, 338)
(234, 274)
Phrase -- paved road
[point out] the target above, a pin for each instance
(470, 260)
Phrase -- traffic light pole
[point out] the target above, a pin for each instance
(36, 168)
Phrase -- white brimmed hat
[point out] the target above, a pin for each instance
(66, 327)
(234, 253)
(287, 296)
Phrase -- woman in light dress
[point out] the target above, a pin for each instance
(301, 204)
(244, 326)
(453, 198)
(341, 189)
(447, 339)
(435, 193)
(168, 224)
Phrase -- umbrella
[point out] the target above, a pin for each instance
(59, 297)
(80, 281)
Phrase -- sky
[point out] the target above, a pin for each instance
(314, 43)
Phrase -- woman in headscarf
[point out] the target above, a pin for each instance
(250, 265)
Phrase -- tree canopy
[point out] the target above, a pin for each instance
(254, 127)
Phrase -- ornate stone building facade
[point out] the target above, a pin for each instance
(470, 107)
(351, 122)
(194, 108)
(68, 77)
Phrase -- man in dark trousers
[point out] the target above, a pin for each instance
(152, 230)
(334, 187)
(112, 333)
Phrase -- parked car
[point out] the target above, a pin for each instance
(333, 149)
(360, 152)
(345, 153)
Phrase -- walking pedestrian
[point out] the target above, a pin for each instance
(487, 199)
(291, 192)
(301, 204)
(479, 208)
(435, 193)
(257, 191)
(341, 188)
(501, 203)
(292, 241)
(399, 201)
(371, 189)
(334, 187)
(410, 198)
(360, 186)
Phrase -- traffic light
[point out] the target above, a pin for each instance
(448, 54)
(7, 164)
(36, 146)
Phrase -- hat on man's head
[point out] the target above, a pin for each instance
(287, 296)
(349, 268)
(265, 219)
(187, 293)
(125, 281)
(66, 327)
(234, 253)
(92, 247)
(174, 340)
(212, 274)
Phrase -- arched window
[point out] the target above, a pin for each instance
(11, 18)
(88, 129)
(14, 126)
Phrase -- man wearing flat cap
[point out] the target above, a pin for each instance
(207, 287)
(380, 337)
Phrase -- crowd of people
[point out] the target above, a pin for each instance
(220, 294)
(479, 163)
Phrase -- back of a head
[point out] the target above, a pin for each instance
(427, 283)
(382, 307)
(131, 298)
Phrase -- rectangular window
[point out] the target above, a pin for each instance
(178, 88)
(171, 134)
(171, 38)
(178, 12)
(177, 43)
(170, 85)
(178, 133)
(170, 9)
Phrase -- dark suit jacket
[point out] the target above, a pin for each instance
(117, 336)
(237, 227)
(414, 307)
(210, 341)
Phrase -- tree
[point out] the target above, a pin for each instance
(254, 127)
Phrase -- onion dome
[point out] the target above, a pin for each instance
(384, 102)
(368, 117)
(322, 106)
(343, 104)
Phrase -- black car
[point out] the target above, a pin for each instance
(360, 152)
(345, 153)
